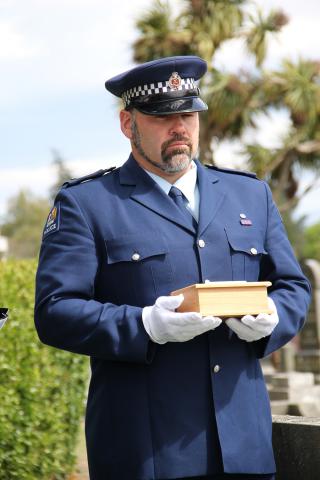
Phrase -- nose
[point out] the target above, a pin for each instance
(177, 125)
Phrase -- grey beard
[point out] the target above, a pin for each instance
(175, 161)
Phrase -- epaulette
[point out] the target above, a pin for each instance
(86, 178)
(236, 172)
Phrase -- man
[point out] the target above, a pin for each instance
(172, 395)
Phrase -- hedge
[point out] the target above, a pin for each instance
(42, 389)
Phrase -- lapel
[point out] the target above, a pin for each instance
(149, 194)
(211, 197)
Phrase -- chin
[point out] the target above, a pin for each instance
(177, 163)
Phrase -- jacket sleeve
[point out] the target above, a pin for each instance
(290, 289)
(67, 316)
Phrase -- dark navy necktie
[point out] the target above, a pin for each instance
(177, 197)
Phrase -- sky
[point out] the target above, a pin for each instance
(55, 56)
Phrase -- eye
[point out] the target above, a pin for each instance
(188, 115)
(156, 118)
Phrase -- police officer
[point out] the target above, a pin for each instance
(172, 395)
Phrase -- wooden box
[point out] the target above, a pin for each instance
(225, 299)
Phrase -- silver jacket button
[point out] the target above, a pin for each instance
(216, 368)
(254, 251)
(135, 257)
(243, 215)
(201, 243)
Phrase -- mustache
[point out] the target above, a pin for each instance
(176, 138)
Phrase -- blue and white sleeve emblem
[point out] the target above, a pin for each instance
(53, 221)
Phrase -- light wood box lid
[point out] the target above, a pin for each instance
(225, 299)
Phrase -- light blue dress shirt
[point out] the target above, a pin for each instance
(188, 186)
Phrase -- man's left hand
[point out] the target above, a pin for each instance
(251, 328)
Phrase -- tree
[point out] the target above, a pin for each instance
(63, 173)
(24, 222)
(295, 88)
(312, 244)
(236, 100)
(25, 218)
(296, 232)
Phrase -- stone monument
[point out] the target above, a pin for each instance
(295, 387)
(308, 356)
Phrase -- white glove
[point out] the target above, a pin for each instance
(163, 324)
(251, 328)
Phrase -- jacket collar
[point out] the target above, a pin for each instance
(148, 193)
(211, 196)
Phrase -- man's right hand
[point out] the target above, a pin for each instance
(164, 325)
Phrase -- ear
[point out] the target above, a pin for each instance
(125, 123)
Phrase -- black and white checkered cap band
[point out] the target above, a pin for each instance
(156, 88)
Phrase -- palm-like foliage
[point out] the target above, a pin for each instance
(232, 101)
(296, 88)
(161, 35)
(201, 28)
(210, 23)
(256, 36)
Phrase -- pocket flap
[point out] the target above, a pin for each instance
(135, 247)
(248, 241)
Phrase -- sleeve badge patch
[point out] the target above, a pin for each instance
(53, 221)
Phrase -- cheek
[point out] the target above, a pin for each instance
(195, 142)
(193, 131)
(151, 143)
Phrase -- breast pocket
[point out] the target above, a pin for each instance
(246, 250)
(139, 266)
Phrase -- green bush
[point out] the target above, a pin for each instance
(42, 389)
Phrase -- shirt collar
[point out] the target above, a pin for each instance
(186, 183)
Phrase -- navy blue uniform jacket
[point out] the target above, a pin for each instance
(160, 411)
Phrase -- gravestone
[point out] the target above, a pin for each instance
(295, 387)
(296, 444)
(308, 357)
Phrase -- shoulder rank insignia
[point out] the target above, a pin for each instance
(86, 178)
(53, 221)
(230, 170)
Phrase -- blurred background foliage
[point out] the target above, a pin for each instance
(42, 389)
(26, 214)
